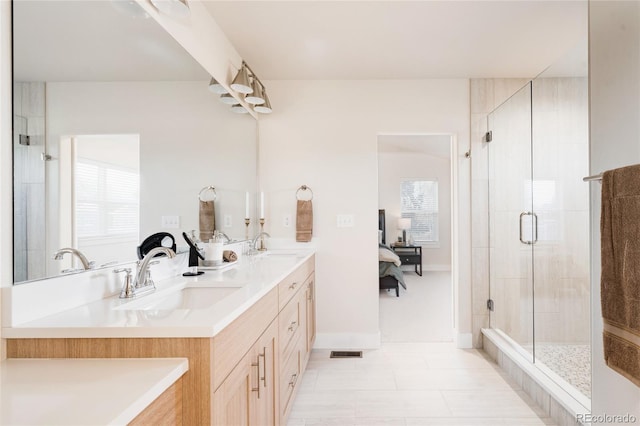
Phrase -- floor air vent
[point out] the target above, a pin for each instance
(346, 354)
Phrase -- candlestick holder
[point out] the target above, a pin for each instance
(247, 221)
(262, 246)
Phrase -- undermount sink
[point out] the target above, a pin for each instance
(186, 297)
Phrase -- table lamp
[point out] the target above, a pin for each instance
(404, 223)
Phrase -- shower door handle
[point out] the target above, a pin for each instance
(535, 228)
(523, 214)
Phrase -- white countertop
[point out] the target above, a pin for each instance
(114, 317)
(82, 391)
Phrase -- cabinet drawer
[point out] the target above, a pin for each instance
(289, 379)
(409, 259)
(289, 326)
(289, 286)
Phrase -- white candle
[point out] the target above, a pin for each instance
(246, 205)
(262, 205)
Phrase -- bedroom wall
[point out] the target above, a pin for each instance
(324, 134)
(393, 167)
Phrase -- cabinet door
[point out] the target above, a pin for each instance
(264, 361)
(248, 394)
(232, 400)
(311, 314)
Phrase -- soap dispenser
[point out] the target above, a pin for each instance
(194, 254)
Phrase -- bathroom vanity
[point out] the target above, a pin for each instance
(247, 333)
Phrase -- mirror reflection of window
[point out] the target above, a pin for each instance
(105, 193)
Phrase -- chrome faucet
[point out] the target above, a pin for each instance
(226, 237)
(143, 277)
(85, 263)
(260, 236)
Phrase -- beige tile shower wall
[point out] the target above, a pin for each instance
(29, 189)
(486, 95)
(561, 159)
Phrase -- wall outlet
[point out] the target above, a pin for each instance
(227, 221)
(170, 222)
(286, 221)
(344, 220)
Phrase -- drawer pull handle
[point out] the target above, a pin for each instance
(292, 325)
(263, 355)
(293, 286)
(293, 380)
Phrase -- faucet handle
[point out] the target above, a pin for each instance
(128, 290)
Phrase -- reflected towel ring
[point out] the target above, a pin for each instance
(204, 190)
(304, 188)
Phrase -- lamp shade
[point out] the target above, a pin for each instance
(265, 108)
(404, 223)
(228, 99)
(256, 98)
(241, 83)
(239, 109)
(216, 87)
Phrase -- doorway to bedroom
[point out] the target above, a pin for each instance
(415, 232)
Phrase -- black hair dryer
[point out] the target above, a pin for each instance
(194, 254)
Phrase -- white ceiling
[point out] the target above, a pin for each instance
(400, 39)
(432, 145)
(94, 41)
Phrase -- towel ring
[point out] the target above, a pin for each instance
(206, 189)
(304, 188)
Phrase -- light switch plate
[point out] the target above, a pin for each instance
(345, 221)
(286, 221)
(170, 222)
(227, 221)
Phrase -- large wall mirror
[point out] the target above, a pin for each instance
(115, 136)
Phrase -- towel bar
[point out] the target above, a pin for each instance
(592, 178)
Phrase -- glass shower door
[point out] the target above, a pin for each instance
(511, 219)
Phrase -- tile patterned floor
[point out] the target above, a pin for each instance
(411, 384)
(417, 377)
(571, 362)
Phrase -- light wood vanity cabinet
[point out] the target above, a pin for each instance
(248, 395)
(247, 374)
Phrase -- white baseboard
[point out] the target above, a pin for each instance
(464, 340)
(347, 341)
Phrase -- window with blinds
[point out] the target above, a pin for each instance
(419, 202)
(106, 202)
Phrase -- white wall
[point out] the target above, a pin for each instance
(393, 167)
(614, 70)
(6, 208)
(188, 140)
(324, 134)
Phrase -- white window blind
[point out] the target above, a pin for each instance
(106, 200)
(419, 202)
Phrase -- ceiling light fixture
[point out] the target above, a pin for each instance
(257, 97)
(239, 109)
(265, 108)
(241, 82)
(228, 99)
(216, 87)
(175, 8)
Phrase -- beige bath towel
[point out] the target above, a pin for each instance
(207, 220)
(304, 221)
(620, 280)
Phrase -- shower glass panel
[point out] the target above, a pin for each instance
(511, 220)
(561, 203)
(539, 223)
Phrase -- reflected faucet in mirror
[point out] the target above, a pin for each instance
(260, 237)
(86, 264)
